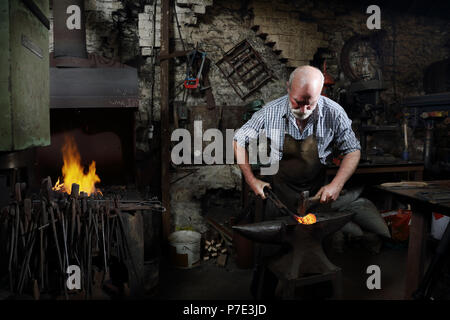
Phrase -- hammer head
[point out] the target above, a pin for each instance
(303, 203)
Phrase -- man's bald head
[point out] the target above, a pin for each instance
(304, 75)
(304, 88)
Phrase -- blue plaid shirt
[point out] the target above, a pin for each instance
(333, 128)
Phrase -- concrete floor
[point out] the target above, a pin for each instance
(211, 282)
(354, 263)
(205, 282)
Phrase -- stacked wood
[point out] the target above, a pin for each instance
(215, 247)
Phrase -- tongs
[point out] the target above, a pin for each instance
(280, 205)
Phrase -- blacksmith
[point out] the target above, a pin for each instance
(304, 127)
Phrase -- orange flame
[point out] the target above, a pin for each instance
(310, 218)
(73, 172)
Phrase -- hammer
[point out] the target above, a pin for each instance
(305, 201)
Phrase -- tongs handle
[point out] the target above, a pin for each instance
(280, 205)
(266, 191)
(269, 194)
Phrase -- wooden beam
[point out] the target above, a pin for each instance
(173, 55)
(165, 134)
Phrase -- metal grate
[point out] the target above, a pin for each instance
(244, 69)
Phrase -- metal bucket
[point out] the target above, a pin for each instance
(185, 248)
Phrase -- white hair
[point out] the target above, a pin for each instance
(305, 73)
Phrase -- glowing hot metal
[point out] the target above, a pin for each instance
(310, 218)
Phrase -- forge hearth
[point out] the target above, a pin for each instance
(94, 100)
(103, 136)
(305, 263)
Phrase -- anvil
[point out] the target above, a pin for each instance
(306, 255)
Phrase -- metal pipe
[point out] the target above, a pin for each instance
(37, 12)
(428, 145)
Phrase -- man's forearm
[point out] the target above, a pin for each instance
(242, 160)
(347, 168)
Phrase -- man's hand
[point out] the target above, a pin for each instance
(329, 193)
(258, 187)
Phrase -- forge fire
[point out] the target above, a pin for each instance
(74, 172)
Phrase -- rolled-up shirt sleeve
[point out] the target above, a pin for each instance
(345, 138)
(250, 129)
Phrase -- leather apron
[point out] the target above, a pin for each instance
(299, 170)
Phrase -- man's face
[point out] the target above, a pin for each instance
(303, 99)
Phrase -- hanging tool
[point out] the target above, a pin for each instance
(191, 82)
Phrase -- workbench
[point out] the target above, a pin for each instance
(415, 168)
(423, 202)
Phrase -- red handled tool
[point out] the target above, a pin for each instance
(191, 82)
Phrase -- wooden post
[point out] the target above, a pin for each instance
(417, 249)
(165, 134)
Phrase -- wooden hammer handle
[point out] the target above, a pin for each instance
(316, 198)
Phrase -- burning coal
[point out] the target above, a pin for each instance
(73, 171)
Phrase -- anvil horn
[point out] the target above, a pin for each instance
(265, 232)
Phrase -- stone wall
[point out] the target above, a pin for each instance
(296, 31)
(215, 30)
(296, 40)
(300, 28)
(187, 192)
(412, 43)
(123, 30)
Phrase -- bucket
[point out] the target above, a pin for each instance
(439, 223)
(185, 248)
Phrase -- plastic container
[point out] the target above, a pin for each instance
(185, 248)
(439, 223)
